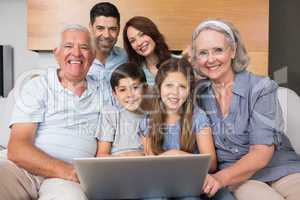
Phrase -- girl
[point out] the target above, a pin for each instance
(145, 45)
(174, 127)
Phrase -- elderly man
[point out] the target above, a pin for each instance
(105, 28)
(54, 121)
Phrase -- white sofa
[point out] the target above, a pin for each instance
(289, 100)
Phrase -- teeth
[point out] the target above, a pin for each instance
(75, 62)
(144, 48)
(173, 100)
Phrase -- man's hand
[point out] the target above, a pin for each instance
(211, 185)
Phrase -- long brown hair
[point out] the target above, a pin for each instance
(158, 116)
(146, 26)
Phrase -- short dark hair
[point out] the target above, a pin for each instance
(104, 9)
(127, 70)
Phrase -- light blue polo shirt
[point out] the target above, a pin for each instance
(255, 117)
(66, 123)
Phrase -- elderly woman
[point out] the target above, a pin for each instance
(256, 160)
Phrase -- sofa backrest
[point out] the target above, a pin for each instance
(290, 104)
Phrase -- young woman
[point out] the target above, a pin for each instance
(174, 127)
(145, 45)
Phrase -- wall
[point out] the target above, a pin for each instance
(284, 43)
(13, 23)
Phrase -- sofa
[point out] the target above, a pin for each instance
(289, 101)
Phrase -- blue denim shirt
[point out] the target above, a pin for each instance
(255, 117)
(172, 133)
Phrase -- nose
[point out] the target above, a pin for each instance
(106, 33)
(130, 92)
(139, 41)
(211, 58)
(76, 51)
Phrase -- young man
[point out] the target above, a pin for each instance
(54, 120)
(118, 127)
(105, 28)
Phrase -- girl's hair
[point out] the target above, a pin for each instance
(241, 60)
(146, 26)
(158, 116)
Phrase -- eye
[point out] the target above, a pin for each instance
(114, 29)
(203, 53)
(67, 46)
(131, 41)
(100, 28)
(218, 50)
(169, 85)
(85, 47)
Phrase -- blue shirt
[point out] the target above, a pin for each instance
(66, 123)
(102, 71)
(255, 117)
(172, 131)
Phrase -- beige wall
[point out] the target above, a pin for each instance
(176, 21)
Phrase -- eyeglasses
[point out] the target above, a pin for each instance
(217, 51)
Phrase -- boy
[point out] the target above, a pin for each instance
(117, 129)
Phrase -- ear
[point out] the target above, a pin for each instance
(233, 52)
(56, 52)
(91, 27)
(114, 92)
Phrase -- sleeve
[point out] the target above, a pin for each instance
(106, 128)
(266, 120)
(30, 102)
(200, 121)
(143, 128)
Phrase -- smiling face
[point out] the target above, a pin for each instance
(105, 31)
(140, 42)
(129, 93)
(174, 91)
(213, 55)
(74, 55)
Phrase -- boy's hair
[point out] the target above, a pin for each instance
(158, 117)
(104, 9)
(127, 70)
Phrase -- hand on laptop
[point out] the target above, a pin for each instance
(131, 153)
(70, 174)
(173, 152)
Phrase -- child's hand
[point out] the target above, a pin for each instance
(131, 153)
(211, 185)
(173, 152)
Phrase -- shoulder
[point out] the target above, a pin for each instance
(255, 84)
(120, 52)
(199, 115)
(38, 82)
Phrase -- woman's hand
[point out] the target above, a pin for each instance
(211, 185)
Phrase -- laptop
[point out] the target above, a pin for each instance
(142, 177)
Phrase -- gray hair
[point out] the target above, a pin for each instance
(75, 27)
(241, 60)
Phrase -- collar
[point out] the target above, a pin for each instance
(54, 83)
(114, 52)
(240, 84)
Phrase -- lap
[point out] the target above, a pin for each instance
(288, 186)
(253, 189)
(55, 188)
(17, 183)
